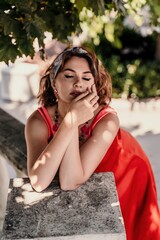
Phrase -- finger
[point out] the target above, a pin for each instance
(94, 100)
(89, 89)
(95, 106)
(94, 88)
(82, 95)
(91, 96)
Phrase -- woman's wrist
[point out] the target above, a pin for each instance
(71, 120)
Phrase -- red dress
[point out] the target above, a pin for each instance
(134, 181)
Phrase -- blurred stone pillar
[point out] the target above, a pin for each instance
(4, 181)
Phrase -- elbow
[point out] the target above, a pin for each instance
(65, 187)
(37, 185)
(37, 188)
(68, 186)
(37, 181)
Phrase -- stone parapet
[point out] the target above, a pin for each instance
(90, 212)
(12, 141)
(12, 155)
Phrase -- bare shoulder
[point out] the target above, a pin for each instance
(110, 117)
(36, 125)
(109, 122)
(34, 119)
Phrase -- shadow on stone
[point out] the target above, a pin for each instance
(90, 211)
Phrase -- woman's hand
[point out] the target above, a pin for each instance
(83, 107)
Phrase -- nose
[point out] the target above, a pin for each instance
(78, 82)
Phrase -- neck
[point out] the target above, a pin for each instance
(62, 108)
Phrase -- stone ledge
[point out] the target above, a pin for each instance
(82, 237)
(12, 141)
(90, 212)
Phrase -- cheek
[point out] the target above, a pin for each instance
(61, 86)
(90, 83)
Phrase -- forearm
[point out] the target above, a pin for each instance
(45, 167)
(71, 172)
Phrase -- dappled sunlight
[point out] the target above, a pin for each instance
(106, 135)
(34, 179)
(70, 119)
(121, 220)
(115, 204)
(19, 199)
(94, 140)
(155, 218)
(31, 198)
(26, 195)
(42, 161)
(56, 213)
(18, 182)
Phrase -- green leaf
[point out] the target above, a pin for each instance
(98, 6)
(10, 25)
(8, 51)
(80, 4)
(25, 46)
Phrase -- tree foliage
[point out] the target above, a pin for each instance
(122, 32)
(21, 22)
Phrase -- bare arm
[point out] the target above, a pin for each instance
(79, 164)
(43, 159)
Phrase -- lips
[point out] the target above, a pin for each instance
(75, 93)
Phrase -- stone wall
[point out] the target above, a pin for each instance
(91, 211)
(12, 142)
(12, 155)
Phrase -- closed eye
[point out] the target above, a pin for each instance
(68, 76)
(86, 79)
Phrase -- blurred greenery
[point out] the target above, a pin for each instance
(133, 67)
(123, 33)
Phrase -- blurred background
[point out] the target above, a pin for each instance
(125, 34)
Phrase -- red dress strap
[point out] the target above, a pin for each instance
(45, 115)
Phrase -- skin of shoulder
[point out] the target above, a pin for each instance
(36, 125)
(109, 123)
(103, 134)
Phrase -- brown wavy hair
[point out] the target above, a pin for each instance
(102, 78)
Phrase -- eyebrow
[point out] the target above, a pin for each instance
(69, 69)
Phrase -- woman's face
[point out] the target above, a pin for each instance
(75, 78)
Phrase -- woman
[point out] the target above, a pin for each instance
(76, 133)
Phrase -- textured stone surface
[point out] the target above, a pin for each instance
(12, 142)
(12, 155)
(90, 212)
